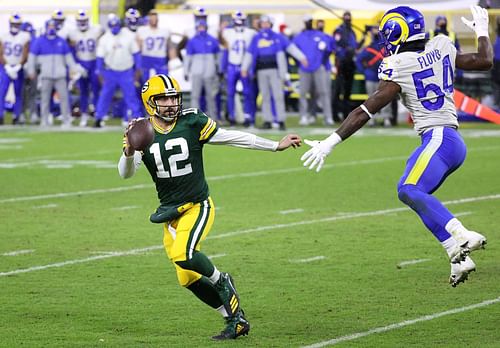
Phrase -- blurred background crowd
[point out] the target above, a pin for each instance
(83, 63)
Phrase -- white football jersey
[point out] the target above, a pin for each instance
(13, 46)
(86, 42)
(118, 50)
(154, 41)
(426, 81)
(64, 30)
(237, 43)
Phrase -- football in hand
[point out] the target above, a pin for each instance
(141, 134)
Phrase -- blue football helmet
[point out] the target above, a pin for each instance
(132, 19)
(82, 20)
(399, 25)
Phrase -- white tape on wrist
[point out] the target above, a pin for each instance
(483, 32)
(334, 139)
(363, 107)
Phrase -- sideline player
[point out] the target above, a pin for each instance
(118, 61)
(84, 40)
(153, 44)
(186, 209)
(237, 39)
(14, 49)
(422, 72)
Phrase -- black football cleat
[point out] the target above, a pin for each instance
(236, 326)
(266, 125)
(227, 293)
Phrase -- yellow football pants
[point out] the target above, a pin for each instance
(182, 236)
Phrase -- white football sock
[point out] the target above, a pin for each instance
(456, 229)
(222, 311)
(449, 244)
(215, 276)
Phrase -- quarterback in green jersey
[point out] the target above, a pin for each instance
(186, 210)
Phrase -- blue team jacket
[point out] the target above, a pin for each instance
(53, 56)
(368, 60)
(316, 47)
(264, 48)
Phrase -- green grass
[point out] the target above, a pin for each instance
(54, 202)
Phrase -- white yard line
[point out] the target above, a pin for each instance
(127, 207)
(84, 260)
(216, 256)
(54, 164)
(77, 193)
(211, 178)
(246, 231)
(11, 147)
(18, 252)
(107, 255)
(402, 324)
(291, 211)
(465, 213)
(411, 262)
(63, 155)
(345, 217)
(310, 259)
(299, 168)
(46, 206)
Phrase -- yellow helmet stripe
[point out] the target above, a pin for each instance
(396, 17)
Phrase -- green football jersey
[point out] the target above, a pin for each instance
(175, 159)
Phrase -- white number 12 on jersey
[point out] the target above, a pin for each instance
(172, 160)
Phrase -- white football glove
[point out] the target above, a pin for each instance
(479, 22)
(11, 71)
(315, 157)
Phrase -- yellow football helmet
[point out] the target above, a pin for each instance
(159, 86)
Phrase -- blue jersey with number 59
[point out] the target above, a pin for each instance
(426, 81)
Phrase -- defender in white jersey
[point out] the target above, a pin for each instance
(236, 40)
(118, 62)
(426, 82)
(63, 29)
(153, 43)
(14, 49)
(422, 73)
(84, 40)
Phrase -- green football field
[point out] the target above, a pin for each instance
(329, 258)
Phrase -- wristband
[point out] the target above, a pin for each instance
(363, 107)
(333, 139)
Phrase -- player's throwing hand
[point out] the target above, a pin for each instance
(292, 140)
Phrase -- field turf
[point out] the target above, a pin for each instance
(329, 258)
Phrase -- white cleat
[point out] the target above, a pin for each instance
(459, 253)
(475, 240)
(84, 118)
(304, 121)
(460, 271)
